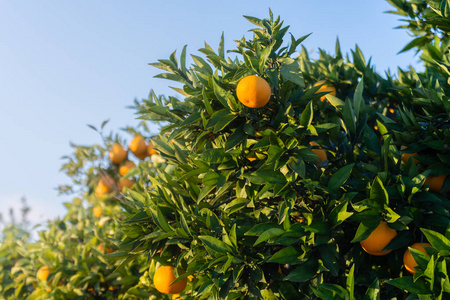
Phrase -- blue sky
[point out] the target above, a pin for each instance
(66, 64)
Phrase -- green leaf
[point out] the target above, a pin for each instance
(336, 102)
(330, 257)
(255, 21)
(349, 116)
(217, 116)
(358, 100)
(407, 283)
(373, 292)
(160, 219)
(215, 244)
(207, 103)
(391, 216)
(215, 156)
(162, 147)
(225, 97)
(236, 205)
(340, 177)
(288, 255)
(307, 115)
(260, 228)
(379, 193)
(290, 70)
(437, 240)
(269, 234)
(303, 272)
(211, 178)
(274, 153)
(183, 60)
(414, 43)
(224, 121)
(351, 282)
(270, 176)
(339, 214)
(237, 137)
(365, 228)
(298, 165)
(328, 291)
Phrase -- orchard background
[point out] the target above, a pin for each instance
(328, 189)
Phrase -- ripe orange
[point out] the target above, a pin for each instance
(406, 156)
(97, 211)
(42, 273)
(127, 166)
(151, 150)
(117, 154)
(138, 146)
(378, 239)
(141, 156)
(325, 88)
(253, 91)
(104, 186)
(408, 259)
(319, 152)
(163, 279)
(435, 182)
(124, 183)
(176, 297)
(101, 247)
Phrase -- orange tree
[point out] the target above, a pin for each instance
(273, 176)
(247, 208)
(72, 257)
(12, 235)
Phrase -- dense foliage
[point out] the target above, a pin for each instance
(239, 201)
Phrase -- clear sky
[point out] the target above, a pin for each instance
(66, 64)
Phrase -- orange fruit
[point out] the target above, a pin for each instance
(117, 154)
(406, 156)
(104, 186)
(379, 239)
(142, 156)
(319, 152)
(97, 211)
(325, 88)
(163, 279)
(42, 273)
(124, 183)
(151, 150)
(408, 259)
(280, 270)
(127, 166)
(176, 297)
(253, 91)
(138, 146)
(101, 247)
(435, 182)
